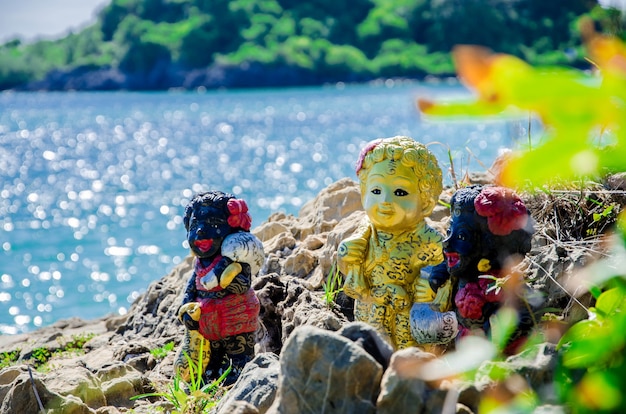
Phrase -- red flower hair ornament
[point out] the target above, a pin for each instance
(239, 216)
(504, 210)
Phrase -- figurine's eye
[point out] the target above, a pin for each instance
(400, 192)
(376, 191)
(461, 237)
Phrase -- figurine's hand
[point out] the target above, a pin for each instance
(443, 296)
(352, 250)
(355, 285)
(190, 323)
(398, 297)
(190, 308)
(390, 295)
(189, 315)
(423, 291)
(209, 281)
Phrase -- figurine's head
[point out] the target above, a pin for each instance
(400, 182)
(211, 216)
(489, 224)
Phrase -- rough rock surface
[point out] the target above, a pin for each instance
(256, 386)
(322, 371)
(310, 356)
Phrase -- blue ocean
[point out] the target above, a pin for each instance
(93, 185)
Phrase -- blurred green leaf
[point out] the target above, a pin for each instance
(611, 301)
(600, 391)
(590, 343)
(572, 105)
(503, 324)
(595, 291)
(493, 371)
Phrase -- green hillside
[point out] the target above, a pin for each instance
(159, 44)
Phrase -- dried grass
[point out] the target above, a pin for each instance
(571, 222)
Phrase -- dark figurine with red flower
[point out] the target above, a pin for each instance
(490, 231)
(220, 309)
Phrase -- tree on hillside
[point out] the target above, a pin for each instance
(200, 45)
(340, 17)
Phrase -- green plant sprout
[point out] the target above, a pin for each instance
(161, 352)
(9, 358)
(443, 203)
(332, 285)
(606, 212)
(41, 356)
(194, 397)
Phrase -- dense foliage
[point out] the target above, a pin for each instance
(329, 39)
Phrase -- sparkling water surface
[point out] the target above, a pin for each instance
(93, 185)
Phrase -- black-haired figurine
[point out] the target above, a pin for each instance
(220, 309)
(490, 228)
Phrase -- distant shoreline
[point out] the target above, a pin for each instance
(253, 76)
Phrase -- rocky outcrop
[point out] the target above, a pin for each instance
(310, 356)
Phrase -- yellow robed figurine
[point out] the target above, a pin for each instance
(400, 182)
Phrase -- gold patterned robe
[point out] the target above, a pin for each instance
(383, 283)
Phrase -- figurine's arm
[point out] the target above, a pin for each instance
(422, 291)
(191, 291)
(351, 256)
(215, 277)
(351, 252)
(242, 256)
(230, 273)
(438, 276)
(241, 282)
(189, 312)
(440, 284)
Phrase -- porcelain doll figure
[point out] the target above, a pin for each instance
(400, 182)
(489, 226)
(219, 304)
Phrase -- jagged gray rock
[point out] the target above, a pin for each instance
(402, 389)
(324, 372)
(256, 386)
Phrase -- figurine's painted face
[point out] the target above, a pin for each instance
(462, 247)
(207, 229)
(391, 198)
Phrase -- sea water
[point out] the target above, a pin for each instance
(93, 185)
